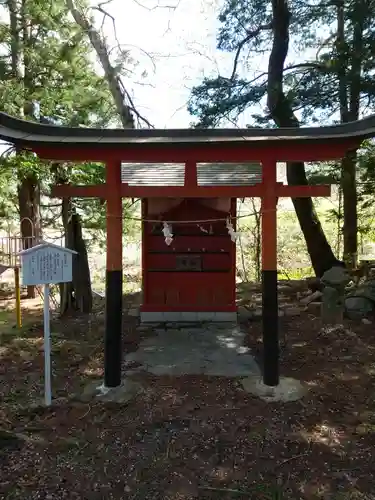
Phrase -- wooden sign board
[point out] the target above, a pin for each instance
(46, 264)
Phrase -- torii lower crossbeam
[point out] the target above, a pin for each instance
(269, 190)
(255, 191)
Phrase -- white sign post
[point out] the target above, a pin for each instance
(46, 264)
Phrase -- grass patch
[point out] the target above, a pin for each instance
(296, 274)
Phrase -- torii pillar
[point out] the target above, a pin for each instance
(113, 292)
(271, 191)
(270, 308)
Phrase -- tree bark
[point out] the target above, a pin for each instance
(110, 72)
(350, 226)
(321, 254)
(77, 295)
(29, 209)
(15, 40)
(349, 75)
(28, 187)
(114, 82)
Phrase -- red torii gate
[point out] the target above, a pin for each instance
(190, 146)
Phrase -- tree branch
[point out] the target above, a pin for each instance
(119, 47)
(125, 94)
(132, 106)
(100, 47)
(157, 6)
(250, 35)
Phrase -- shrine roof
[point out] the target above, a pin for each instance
(27, 133)
(208, 174)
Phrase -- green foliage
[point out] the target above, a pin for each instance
(312, 85)
(55, 68)
(296, 273)
(8, 186)
(92, 211)
(324, 173)
(220, 98)
(330, 173)
(332, 81)
(366, 188)
(48, 60)
(293, 258)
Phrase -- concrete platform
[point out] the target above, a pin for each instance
(216, 349)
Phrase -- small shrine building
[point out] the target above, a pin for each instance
(190, 275)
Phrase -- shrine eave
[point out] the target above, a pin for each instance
(173, 145)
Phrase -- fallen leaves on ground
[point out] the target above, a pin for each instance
(191, 437)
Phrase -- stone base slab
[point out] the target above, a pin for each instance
(125, 392)
(161, 317)
(288, 389)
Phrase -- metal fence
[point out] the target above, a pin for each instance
(10, 246)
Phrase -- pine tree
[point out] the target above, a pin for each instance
(48, 64)
(336, 84)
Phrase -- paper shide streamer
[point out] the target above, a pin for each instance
(232, 233)
(167, 232)
(202, 229)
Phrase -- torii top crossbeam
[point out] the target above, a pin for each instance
(181, 145)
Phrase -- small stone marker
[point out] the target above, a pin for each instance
(46, 264)
(333, 299)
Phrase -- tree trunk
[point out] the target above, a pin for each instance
(77, 295)
(119, 96)
(102, 51)
(29, 206)
(349, 75)
(339, 222)
(348, 181)
(29, 209)
(350, 227)
(257, 240)
(28, 187)
(321, 254)
(15, 40)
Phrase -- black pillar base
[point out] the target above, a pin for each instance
(113, 329)
(270, 316)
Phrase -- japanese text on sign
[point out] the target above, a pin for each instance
(46, 265)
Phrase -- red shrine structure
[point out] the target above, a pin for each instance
(200, 274)
(193, 276)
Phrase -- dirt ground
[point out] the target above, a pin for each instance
(187, 437)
